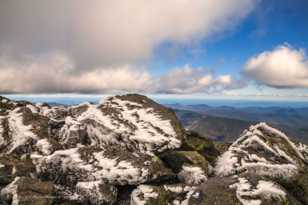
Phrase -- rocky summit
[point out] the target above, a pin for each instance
(130, 150)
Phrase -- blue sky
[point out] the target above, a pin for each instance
(200, 47)
(272, 23)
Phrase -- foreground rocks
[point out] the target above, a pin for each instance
(131, 150)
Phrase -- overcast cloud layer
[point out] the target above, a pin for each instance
(100, 45)
(283, 67)
(100, 32)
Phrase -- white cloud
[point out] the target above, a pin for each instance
(98, 45)
(103, 32)
(194, 80)
(283, 67)
(55, 73)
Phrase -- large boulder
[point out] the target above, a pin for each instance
(88, 150)
(205, 147)
(191, 167)
(259, 160)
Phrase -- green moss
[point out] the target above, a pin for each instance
(285, 202)
(160, 170)
(164, 198)
(176, 159)
(202, 145)
(221, 146)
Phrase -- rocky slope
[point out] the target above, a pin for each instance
(130, 150)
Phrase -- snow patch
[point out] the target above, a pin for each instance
(192, 175)
(2, 141)
(238, 157)
(44, 146)
(278, 133)
(226, 164)
(4, 101)
(33, 108)
(254, 153)
(304, 150)
(248, 195)
(142, 194)
(20, 133)
(134, 125)
(91, 191)
(68, 159)
(121, 171)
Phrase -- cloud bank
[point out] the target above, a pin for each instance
(56, 74)
(283, 67)
(105, 32)
(194, 80)
(102, 45)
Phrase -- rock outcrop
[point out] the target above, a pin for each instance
(260, 166)
(86, 151)
(130, 150)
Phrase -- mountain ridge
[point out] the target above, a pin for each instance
(215, 122)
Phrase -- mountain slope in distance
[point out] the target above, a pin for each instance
(226, 123)
(218, 128)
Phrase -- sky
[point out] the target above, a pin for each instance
(180, 47)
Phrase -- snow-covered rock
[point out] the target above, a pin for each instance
(87, 150)
(132, 121)
(258, 158)
(96, 192)
(192, 175)
(177, 194)
(130, 150)
(264, 151)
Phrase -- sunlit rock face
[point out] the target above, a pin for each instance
(130, 150)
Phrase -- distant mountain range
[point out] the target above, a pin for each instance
(225, 123)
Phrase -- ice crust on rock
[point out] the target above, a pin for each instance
(260, 152)
(130, 123)
(145, 193)
(249, 195)
(2, 140)
(142, 194)
(192, 175)
(110, 144)
(96, 192)
(89, 151)
(20, 133)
